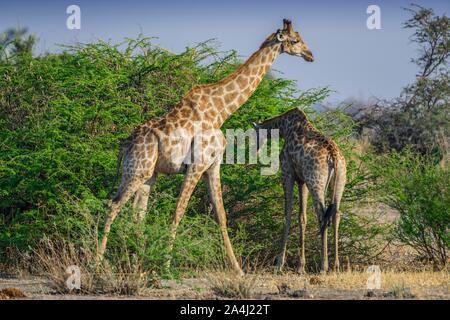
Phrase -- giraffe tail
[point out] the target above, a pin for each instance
(123, 149)
(329, 214)
(333, 207)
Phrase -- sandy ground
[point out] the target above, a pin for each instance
(342, 286)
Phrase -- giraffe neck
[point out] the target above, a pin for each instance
(233, 91)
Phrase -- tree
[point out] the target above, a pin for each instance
(419, 118)
(14, 42)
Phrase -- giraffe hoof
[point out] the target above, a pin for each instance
(301, 271)
(278, 269)
(100, 255)
(278, 265)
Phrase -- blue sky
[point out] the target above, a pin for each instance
(354, 61)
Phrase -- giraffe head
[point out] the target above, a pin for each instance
(262, 134)
(260, 140)
(292, 43)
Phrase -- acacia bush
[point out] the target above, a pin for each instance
(62, 117)
(418, 188)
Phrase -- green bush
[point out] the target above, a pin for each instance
(62, 117)
(418, 188)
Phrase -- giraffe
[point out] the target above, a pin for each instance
(311, 160)
(163, 145)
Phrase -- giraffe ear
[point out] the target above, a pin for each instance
(281, 36)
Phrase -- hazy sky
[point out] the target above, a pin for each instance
(351, 59)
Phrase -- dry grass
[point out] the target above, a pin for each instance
(51, 259)
(231, 285)
(358, 280)
(219, 285)
(393, 284)
(400, 292)
(389, 279)
(11, 293)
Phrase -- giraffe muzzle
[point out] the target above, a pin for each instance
(308, 56)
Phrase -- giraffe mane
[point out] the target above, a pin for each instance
(234, 74)
(269, 40)
(289, 112)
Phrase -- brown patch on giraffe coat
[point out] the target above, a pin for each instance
(247, 91)
(208, 116)
(196, 116)
(189, 126)
(218, 102)
(212, 113)
(218, 91)
(185, 112)
(262, 59)
(242, 81)
(140, 139)
(206, 126)
(148, 138)
(230, 97)
(241, 99)
(205, 103)
(230, 87)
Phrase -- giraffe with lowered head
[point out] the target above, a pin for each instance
(312, 161)
(191, 129)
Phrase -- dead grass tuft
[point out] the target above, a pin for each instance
(11, 293)
(52, 259)
(315, 280)
(232, 286)
(400, 292)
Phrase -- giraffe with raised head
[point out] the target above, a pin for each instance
(165, 145)
(312, 161)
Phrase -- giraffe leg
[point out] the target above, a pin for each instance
(336, 220)
(117, 204)
(319, 206)
(141, 198)
(193, 175)
(340, 175)
(213, 184)
(288, 186)
(302, 220)
(135, 172)
(324, 251)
